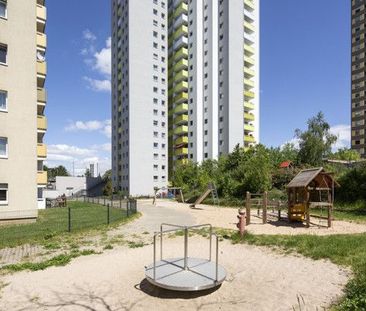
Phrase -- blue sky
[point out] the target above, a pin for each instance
(305, 68)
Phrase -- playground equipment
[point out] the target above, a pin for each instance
(185, 273)
(265, 208)
(211, 189)
(310, 189)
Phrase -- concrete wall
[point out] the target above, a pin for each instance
(19, 124)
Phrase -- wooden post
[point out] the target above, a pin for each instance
(247, 208)
(181, 195)
(330, 208)
(279, 209)
(307, 208)
(265, 204)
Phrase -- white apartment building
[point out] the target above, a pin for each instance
(23, 97)
(213, 78)
(139, 95)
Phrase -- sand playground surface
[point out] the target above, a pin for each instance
(257, 278)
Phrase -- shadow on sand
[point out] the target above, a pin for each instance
(158, 292)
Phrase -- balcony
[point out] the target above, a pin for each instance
(181, 31)
(181, 152)
(249, 50)
(183, 19)
(249, 72)
(182, 53)
(182, 97)
(42, 178)
(249, 95)
(249, 4)
(182, 75)
(180, 87)
(249, 27)
(249, 116)
(42, 68)
(249, 83)
(41, 95)
(182, 108)
(41, 151)
(181, 130)
(249, 60)
(181, 119)
(41, 18)
(248, 128)
(249, 139)
(182, 41)
(182, 64)
(41, 40)
(182, 8)
(249, 106)
(181, 140)
(41, 123)
(41, 12)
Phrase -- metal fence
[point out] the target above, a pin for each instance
(129, 205)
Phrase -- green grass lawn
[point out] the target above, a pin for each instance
(346, 250)
(52, 222)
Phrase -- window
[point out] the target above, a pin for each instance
(3, 53)
(3, 194)
(3, 101)
(3, 147)
(3, 11)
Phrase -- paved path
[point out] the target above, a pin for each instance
(153, 216)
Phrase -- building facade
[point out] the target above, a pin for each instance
(22, 104)
(185, 85)
(213, 78)
(358, 108)
(139, 95)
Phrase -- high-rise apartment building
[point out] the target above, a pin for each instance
(358, 76)
(213, 78)
(185, 85)
(22, 104)
(139, 95)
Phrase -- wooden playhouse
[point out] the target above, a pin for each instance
(311, 189)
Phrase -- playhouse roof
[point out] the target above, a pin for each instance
(285, 164)
(318, 175)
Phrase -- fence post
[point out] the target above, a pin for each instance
(120, 202)
(69, 219)
(279, 209)
(108, 214)
(265, 204)
(128, 207)
(247, 207)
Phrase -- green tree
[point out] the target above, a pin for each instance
(316, 142)
(87, 173)
(346, 154)
(52, 172)
(108, 188)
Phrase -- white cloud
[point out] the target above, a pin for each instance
(99, 61)
(88, 35)
(68, 150)
(78, 159)
(343, 132)
(102, 59)
(104, 127)
(99, 85)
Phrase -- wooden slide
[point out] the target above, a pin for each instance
(210, 189)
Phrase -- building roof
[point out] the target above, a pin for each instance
(317, 176)
(285, 164)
